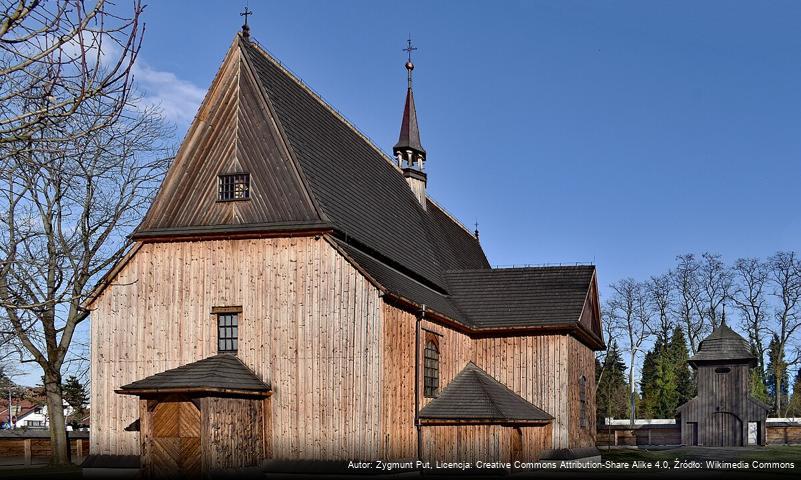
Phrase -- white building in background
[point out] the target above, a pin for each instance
(37, 418)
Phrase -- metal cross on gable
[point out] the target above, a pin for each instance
(409, 48)
(245, 13)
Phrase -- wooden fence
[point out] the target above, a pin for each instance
(24, 447)
(778, 433)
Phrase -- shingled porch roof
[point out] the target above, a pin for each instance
(223, 373)
(474, 397)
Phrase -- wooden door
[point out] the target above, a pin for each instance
(174, 448)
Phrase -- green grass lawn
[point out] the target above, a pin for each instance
(771, 453)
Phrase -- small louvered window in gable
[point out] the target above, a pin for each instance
(232, 187)
(583, 402)
(431, 369)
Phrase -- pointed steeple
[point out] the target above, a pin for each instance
(409, 152)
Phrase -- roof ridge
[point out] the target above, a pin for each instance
(477, 371)
(450, 215)
(295, 78)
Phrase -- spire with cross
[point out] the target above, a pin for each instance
(245, 27)
(475, 233)
(409, 65)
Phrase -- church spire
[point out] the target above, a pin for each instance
(409, 152)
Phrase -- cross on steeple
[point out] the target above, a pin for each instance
(475, 233)
(245, 27)
(245, 13)
(409, 65)
(409, 48)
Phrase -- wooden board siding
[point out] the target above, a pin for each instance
(722, 408)
(466, 443)
(231, 133)
(486, 443)
(536, 368)
(397, 384)
(784, 434)
(232, 433)
(581, 362)
(310, 326)
(455, 350)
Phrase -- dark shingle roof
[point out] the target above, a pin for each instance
(457, 248)
(221, 372)
(521, 296)
(474, 395)
(363, 195)
(723, 345)
(402, 285)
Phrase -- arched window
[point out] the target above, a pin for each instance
(582, 402)
(431, 369)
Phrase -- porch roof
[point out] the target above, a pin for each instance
(223, 373)
(474, 397)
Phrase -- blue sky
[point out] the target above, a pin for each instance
(619, 132)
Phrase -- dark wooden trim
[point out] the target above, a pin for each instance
(273, 229)
(431, 422)
(227, 309)
(193, 390)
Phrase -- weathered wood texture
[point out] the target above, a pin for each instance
(310, 326)
(581, 363)
(623, 435)
(486, 443)
(537, 369)
(232, 133)
(232, 433)
(26, 449)
(397, 384)
(542, 369)
(172, 441)
(722, 408)
(780, 434)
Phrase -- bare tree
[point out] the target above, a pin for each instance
(751, 278)
(660, 296)
(78, 162)
(57, 60)
(785, 280)
(716, 285)
(688, 293)
(628, 309)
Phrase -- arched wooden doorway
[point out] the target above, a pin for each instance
(727, 430)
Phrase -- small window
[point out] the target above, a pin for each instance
(583, 402)
(431, 369)
(722, 370)
(233, 187)
(227, 332)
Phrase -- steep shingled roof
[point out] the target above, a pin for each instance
(223, 372)
(474, 395)
(361, 193)
(723, 345)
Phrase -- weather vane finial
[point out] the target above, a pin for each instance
(245, 27)
(409, 65)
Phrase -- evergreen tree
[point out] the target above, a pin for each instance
(777, 367)
(757, 385)
(648, 381)
(685, 379)
(660, 378)
(794, 407)
(612, 390)
(76, 396)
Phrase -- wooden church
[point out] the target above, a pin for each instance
(294, 293)
(723, 413)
